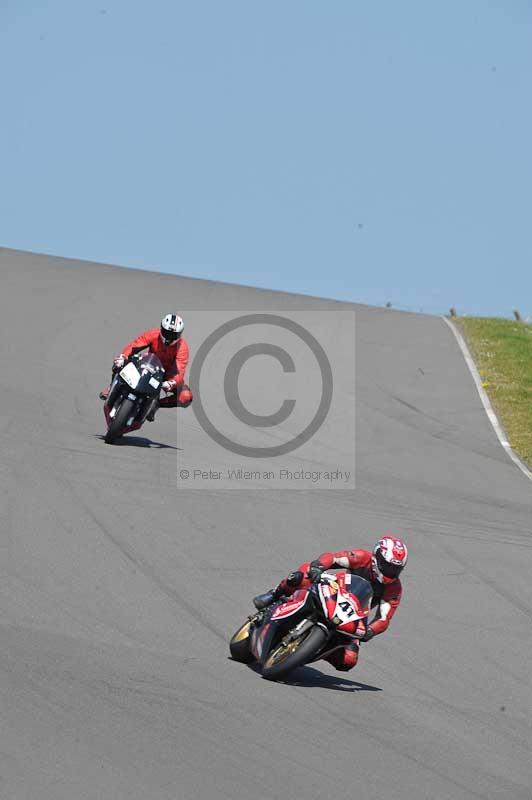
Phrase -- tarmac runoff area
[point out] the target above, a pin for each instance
(120, 590)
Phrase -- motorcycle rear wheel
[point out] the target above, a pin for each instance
(286, 657)
(119, 421)
(239, 645)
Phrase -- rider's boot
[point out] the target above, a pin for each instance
(262, 601)
(104, 394)
(284, 588)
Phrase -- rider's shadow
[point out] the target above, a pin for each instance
(140, 441)
(307, 676)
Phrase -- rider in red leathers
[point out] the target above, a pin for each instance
(381, 568)
(168, 344)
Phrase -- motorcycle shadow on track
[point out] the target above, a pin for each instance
(139, 441)
(307, 676)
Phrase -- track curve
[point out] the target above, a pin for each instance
(114, 684)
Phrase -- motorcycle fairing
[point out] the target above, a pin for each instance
(131, 375)
(275, 623)
(344, 604)
(292, 605)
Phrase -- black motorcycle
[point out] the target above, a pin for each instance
(134, 392)
(309, 625)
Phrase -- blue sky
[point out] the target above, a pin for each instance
(365, 151)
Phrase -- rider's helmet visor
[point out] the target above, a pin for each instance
(387, 569)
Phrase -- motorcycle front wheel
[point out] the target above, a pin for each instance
(119, 421)
(286, 657)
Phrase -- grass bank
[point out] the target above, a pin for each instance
(502, 350)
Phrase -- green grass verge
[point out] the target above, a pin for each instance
(502, 350)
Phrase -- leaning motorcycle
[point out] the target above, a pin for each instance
(305, 627)
(134, 391)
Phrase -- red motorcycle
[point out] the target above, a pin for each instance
(305, 627)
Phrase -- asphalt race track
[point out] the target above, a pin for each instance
(120, 591)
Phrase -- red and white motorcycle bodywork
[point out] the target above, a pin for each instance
(310, 624)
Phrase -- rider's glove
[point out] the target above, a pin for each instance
(168, 386)
(119, 362)
(369, 634)
(294, 579)
(314, 571)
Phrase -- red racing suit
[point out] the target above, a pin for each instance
(386, 597)
(174, 358)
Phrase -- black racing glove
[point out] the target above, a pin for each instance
(119, 362)
(314, 571)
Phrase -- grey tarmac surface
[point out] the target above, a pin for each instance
(119, 591)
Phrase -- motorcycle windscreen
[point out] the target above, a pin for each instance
(149, 361)
(361, 589)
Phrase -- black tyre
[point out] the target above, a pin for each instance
(239, 645)
(284, 658)
(119, 421)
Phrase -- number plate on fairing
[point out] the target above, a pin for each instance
(131, 375)
(345, 609)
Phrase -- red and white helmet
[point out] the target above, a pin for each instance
(171, 328)
(389, 559)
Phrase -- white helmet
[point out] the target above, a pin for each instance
(389, 559)
(171, 328)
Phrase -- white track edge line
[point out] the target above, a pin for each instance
(488, 408)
